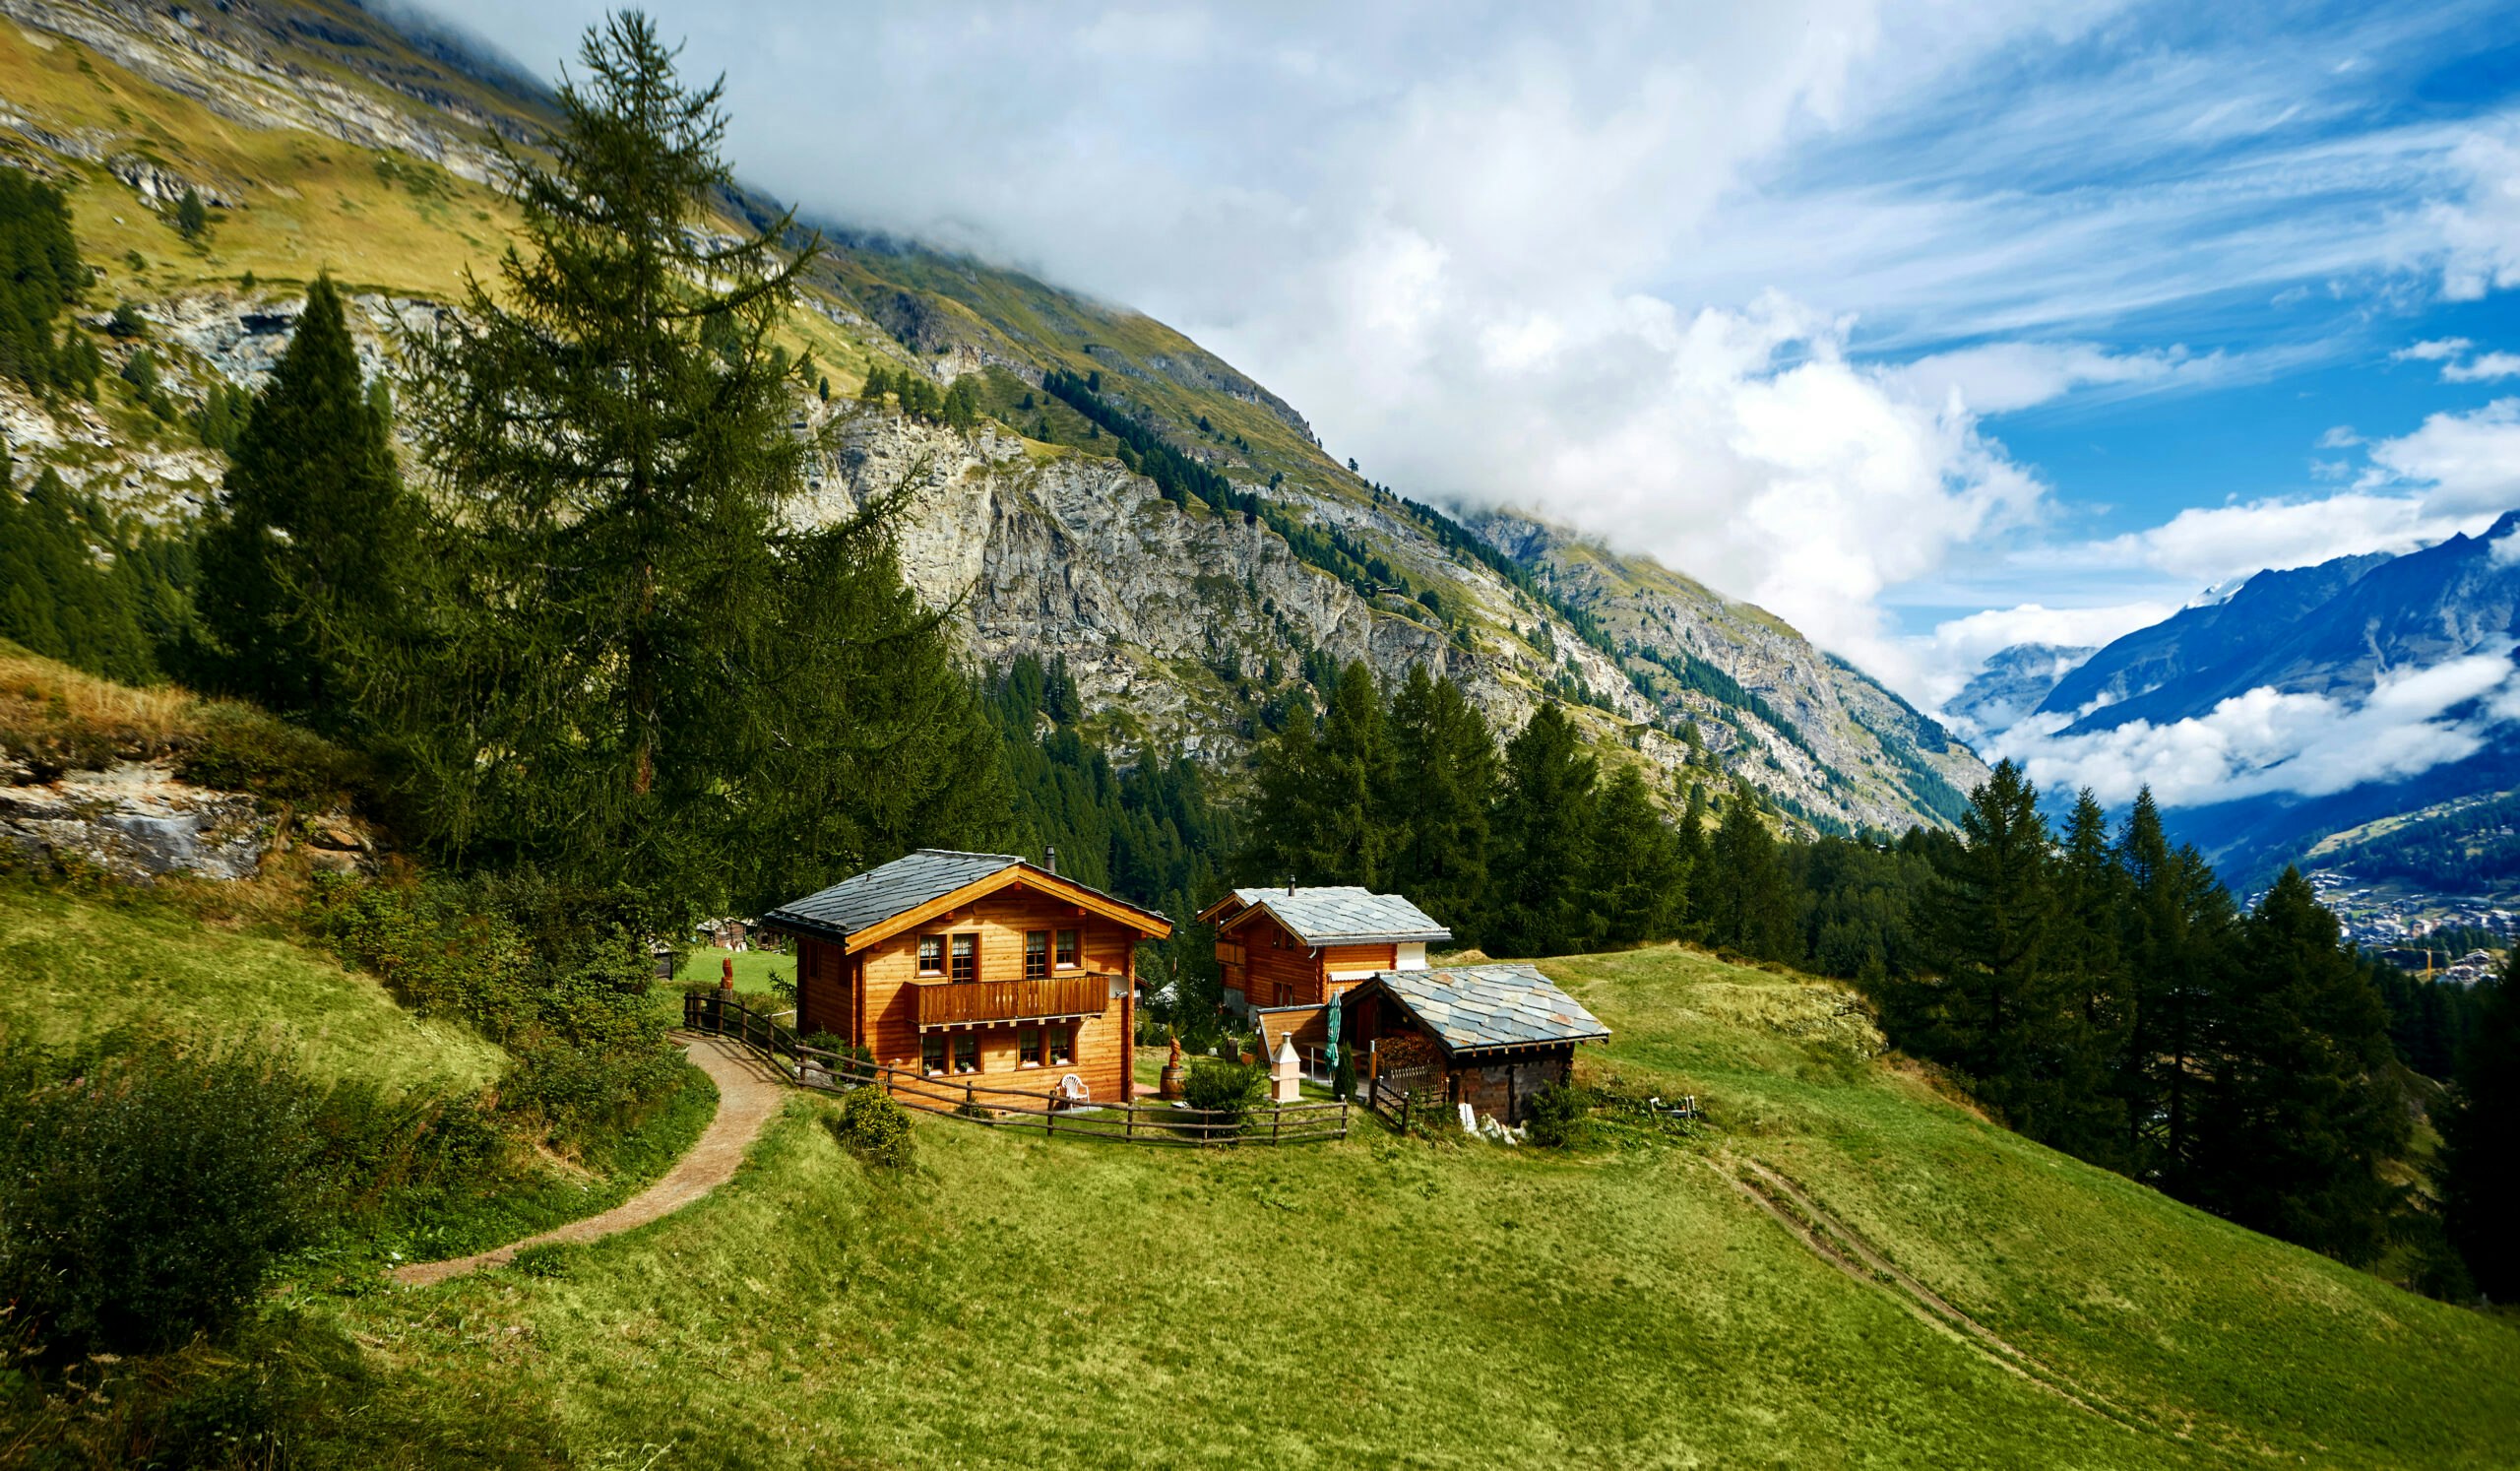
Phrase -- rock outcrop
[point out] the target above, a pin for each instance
(136, 822)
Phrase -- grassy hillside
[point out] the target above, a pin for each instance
(1395, 1301)
(78, 966)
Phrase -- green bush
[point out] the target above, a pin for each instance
(242, 749)
(1224, 1091)
(146, 1197)
(1558, 1116)
(875, 1129)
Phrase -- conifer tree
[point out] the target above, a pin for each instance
(1637, 873)
(57, 596)
(2481, 1143)
(878, 383)
(2302, 1110)
(1691, 853)
(192, 217)
(1325, 792)
(2090, 900)
(1444, 778)
(961, 408)
(306, 560)
(1747, 901)
(1540, 842)
(2180, 924)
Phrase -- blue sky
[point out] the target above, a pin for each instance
(1929, 326)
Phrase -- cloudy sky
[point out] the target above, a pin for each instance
(1931, 327)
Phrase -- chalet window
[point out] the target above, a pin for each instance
(966, 1052)
(931, 955)
(967, 957)
(1028, 1046)
(931, 1054)
(1071, 954)
(1063, 1044)
(1286, 994)
(1037, 953)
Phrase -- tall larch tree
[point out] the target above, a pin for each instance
(621, 620)
(1748, 901)
(1637, 877)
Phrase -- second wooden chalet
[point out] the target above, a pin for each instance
(1287, 953)
(974, 965)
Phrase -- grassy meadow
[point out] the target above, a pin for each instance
(78, 965)
(1392, 1300)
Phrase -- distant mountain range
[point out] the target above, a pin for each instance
(2338, 631)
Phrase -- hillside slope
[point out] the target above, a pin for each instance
(329, 140)
(1384, 1301)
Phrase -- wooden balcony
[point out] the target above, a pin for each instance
(1230, 952)
(965, 1004)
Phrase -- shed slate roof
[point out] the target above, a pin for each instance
(1472, 1007)
(866, 900)
(1345, 915)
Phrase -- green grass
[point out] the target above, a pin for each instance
(1020, 1300)
(78, 966)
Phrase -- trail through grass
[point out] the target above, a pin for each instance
(1386, 1301)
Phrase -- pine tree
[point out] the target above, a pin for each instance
(878, 383)
(2179, 926)
(961, 408)
(192, 217)
(1540, 842)
(2481, 1143)
(40, 275)
(2090, 900)
(1443, 781)
(1323, 814)
(1637, 877)
(1746, 902)
(1691, 852)
(60, 599)
(306, 560)
(2303, 1110)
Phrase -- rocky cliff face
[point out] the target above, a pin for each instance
(1178, 623)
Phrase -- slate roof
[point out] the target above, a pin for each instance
(1345, 915)
(866, 900)
(1472, 1007)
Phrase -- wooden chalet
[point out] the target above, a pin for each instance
(976, 965)
(1485, 1035)
(1287, 953)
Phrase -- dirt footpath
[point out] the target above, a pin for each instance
(749, 1092)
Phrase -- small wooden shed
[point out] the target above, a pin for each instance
(1485, 1035)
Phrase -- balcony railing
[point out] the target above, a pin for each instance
(1230, 952)
(958, 1003)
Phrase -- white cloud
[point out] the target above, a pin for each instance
(2482, 366)
(2470, 462)
(2480, 231)
(2438, 349)
(2215, 544)
(1959, 647)
(2267, 742)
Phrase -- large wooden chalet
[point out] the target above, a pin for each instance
(1286, 954)
(974, 965)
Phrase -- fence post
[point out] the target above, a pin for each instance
(1406, 1097)
(1129, 1121)
(1276, 1116)
(1049, 1118)
(1342, 1118)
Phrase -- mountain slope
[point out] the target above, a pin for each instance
(2192, 648)
(1385, 1301)
(1141, 506)
(2012, 683)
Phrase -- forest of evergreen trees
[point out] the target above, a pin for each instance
(2095, 988)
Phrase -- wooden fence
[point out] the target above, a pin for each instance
(1132, 1123)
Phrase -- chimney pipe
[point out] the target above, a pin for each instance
(1290, 883)
(1050, 858)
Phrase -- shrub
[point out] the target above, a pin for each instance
(242, 749)
(875, 1129)
(146, 1197)
(1224, 1091)
(1560, 1116)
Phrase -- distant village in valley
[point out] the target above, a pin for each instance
(2452, 937)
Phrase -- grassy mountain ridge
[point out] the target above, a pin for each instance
(326, 138)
